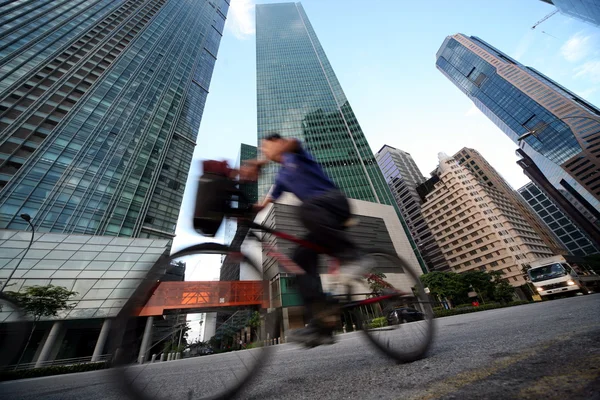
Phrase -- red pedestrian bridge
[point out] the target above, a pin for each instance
(204, 296)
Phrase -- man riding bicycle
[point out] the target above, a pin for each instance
(324, 212)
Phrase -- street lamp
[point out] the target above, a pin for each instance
(27, 219)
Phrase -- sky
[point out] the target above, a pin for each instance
(383, 53)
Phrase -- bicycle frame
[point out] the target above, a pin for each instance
(291, 267)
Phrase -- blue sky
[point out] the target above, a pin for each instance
(383, 53)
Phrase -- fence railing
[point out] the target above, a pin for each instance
(61, 362)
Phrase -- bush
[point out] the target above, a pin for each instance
(378, 322)
(52, 370)
(484, 307)
(254, 345)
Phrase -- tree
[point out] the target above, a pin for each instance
(254, 323)
(40, 302)
(503, 291)
(446, 285)
(376, 284)
(481, 282)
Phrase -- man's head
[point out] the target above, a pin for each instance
(269, 146)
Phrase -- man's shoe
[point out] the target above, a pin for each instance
(310, 336)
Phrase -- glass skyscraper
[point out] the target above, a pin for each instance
(585, 10)
(100, 105)
(558, 130)
(403, 177)
(298, 95)
(573, 238)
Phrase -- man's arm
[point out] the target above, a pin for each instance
(274, 193)
(251, 168)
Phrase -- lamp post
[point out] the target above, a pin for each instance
(27, 219)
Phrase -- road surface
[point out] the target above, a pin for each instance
(547, 350)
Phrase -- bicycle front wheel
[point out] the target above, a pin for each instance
(235, 323)
(398, 316)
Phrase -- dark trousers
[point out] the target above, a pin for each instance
(324, 217)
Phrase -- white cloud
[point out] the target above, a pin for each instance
(587, 93)
(472, 111)
(589, 70)
(523, 46)
(578, 47)
(240, 19)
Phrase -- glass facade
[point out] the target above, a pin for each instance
(298, 95)
(521, 100)
(100, 105)
(104, 271)
(403, 177)
(574, 239)
(585, 10)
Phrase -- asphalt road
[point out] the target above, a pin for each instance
(548, 350)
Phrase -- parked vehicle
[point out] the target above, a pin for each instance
(558, 275)
(403, 315)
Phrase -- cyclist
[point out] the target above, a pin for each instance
(324, 213)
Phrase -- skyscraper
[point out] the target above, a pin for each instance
(573, 238)
(477, 226)
(557, 129)
(403, 176)
(578, 210)
(482, 170)
(585, 10)
(100, 105)
(298, 95)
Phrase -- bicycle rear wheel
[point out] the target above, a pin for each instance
(398, 317)
(221, 375)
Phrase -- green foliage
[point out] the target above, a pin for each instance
(456, 287)
(446, 285)
(378, 322)
(466, 310)
(254, 321)
(52, 370)
(375, 284)
(43, 301)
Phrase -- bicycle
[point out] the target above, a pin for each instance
(374, 307)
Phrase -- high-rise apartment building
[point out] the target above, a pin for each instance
(403, 176)
(298, 95)
(482, 170)
(100, 105)
(585, 10)
(557, 129)
(477, 226)
(573, 238)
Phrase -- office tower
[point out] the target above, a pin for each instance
(482, 170)
(100, 105)
(403, 176)
(573, 238)
(557, 129)
(584, 10)
(477, 226)
(298, 95)
(585, 217)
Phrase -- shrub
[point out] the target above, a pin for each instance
(52, 370)
(484, 307)
(378, 322)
